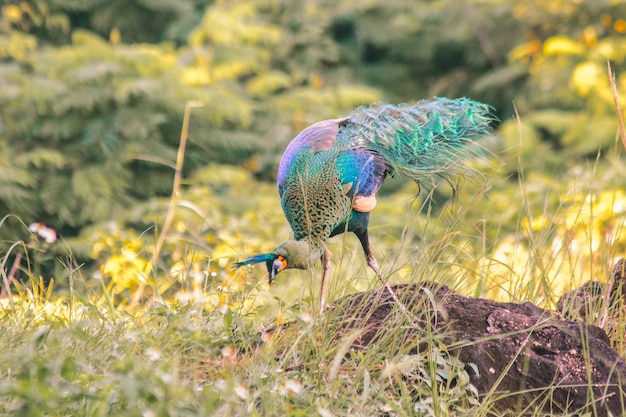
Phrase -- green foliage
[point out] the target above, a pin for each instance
(93, 124)
(75, 127)
(567, 101)
(53, 21)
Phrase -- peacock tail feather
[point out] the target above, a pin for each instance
(425, 137)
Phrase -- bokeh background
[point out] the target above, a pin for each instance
(92, 99)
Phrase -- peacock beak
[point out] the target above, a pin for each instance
(275, 266)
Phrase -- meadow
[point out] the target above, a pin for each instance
(130, 340)
(117, 295)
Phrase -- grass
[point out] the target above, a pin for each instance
(82, 354)
(205, 346)
(185, 361)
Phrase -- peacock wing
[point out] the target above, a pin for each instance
(362, 172)
(318, 137)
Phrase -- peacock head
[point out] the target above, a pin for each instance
(295, 254)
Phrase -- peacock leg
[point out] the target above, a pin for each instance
(367, 249)
(326, 269)
(371, 261)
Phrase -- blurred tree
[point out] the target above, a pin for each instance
(93, 125)
(52, 21)
(566, 107)
(490, 50)
(257, 49)
(93, 91)
(414, 50)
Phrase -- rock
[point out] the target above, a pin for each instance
(595, 297)
(530, 355)
(599, 302)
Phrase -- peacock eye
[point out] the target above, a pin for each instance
(280, 263)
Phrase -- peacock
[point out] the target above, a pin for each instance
(330, 173)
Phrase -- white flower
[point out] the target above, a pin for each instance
(46, 233)
(153, 354)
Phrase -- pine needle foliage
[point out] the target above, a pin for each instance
(92, 123)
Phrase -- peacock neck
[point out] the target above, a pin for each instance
(300, 254)
(312, 249)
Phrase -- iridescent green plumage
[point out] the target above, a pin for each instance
(329, 174)
(421, 138)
